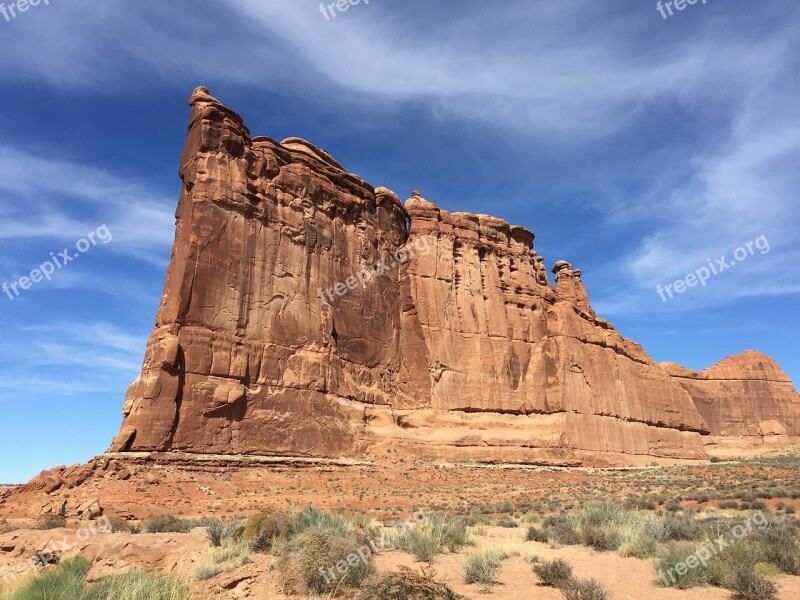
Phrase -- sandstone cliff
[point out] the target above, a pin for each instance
(457, 346)
(747, 401)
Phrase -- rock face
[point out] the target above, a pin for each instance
(747, 401)
(307, 313)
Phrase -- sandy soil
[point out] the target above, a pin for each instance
(388, 491)
(181, 554)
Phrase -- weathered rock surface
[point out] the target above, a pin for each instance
(747, 400)
(457, 347)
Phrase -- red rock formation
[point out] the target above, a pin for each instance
(747, 400)
(290, 325)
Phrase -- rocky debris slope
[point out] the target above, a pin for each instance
(308, 313)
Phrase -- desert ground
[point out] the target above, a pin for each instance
(517, 515)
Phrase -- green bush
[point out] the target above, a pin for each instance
(782, 546)
(65, 582)
(585, 589)
(166, 524)
(425, 542)
(405, 585)
(205, 572)
(309, 563)
(714, 572)
(136, 585)
(553, 573)
(314, 517)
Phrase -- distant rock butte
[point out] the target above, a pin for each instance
(466, 352)
(747, 401)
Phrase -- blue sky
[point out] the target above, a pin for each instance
(634, 146)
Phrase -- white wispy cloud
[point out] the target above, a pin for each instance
(554, 73)
(62, 201)
(69, 358)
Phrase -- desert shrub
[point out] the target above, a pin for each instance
(477, 519)
(440, 532)
(261, 530)
(136, 585)
(405, 585)
(166, 524)
(714, 572)
(316, 518)
(204, 572)
(218, 531)
(118, 525)
(585, 589)
(535, 534)
(553, 573)
(507, 522)
(50, 521)
(748, 551)
(729, 505)
(673, 506)
(639, 539)
(782, 546)
(750, 585)
(65, 581)
(767, 569)
(601, 513)
(215, 531)
(680, 527)
(482, 568)
(231, 550)
(561, 530)
(607, 526)
(599, 538)
(309, 563)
